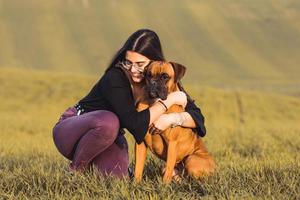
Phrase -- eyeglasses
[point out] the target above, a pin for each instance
(139, 66)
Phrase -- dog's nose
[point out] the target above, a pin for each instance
(153, 83)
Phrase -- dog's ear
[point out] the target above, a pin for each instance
(148, 68)
(179, 71)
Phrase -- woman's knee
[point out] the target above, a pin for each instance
(64, 147)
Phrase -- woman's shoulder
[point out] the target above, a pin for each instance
(114, 71)
(115, 76)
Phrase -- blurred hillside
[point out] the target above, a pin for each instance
(32, 106)
(249, 44)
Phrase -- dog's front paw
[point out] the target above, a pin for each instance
(167, 179)
(176, 175)
(138, 179)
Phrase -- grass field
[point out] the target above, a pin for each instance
(243, 70)
(254, 138)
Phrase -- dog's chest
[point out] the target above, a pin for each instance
(184, 138)
(157, 144)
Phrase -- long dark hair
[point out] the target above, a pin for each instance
(145, 42)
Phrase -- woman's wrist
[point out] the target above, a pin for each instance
(162, 104)
(168, 102)
(178, 119)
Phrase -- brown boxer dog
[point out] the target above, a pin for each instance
(174, 145)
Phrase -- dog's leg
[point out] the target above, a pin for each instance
(171, 161)
(140, 158)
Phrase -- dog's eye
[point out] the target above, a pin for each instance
(148, 75)
(165, 76)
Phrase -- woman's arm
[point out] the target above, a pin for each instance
(116, 89)
(158, 108)
(184, 119)
(191, 118)
(165, 121)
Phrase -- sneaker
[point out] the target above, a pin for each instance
(72, 170)
(130, 173)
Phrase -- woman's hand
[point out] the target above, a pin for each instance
(177, 97)
(166, 121)
(162, 123)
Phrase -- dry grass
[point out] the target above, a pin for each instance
(254, 138)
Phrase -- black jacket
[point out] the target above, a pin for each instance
(113, 92)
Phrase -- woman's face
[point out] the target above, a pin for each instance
(135, 63)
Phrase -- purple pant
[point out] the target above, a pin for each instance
(92, 139)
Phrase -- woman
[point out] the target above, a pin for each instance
(91, 132)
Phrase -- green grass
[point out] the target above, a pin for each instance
(253, 136)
